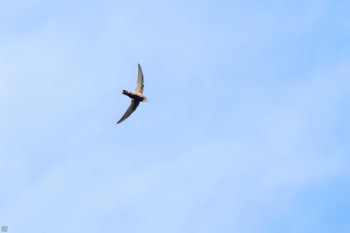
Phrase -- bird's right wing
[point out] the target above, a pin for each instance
(140, 84)
(130, 110)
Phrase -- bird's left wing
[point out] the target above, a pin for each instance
(140, 84)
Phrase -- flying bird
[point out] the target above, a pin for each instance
(136, 96)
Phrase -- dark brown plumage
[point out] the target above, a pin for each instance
(136, 96)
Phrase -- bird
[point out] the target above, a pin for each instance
(136, 96)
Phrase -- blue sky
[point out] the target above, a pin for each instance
(246, 129)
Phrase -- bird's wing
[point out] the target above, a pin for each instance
(139, 87)
(130, 110)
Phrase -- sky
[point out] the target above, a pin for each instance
(246, 128)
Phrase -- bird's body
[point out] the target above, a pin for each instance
(136, 96)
